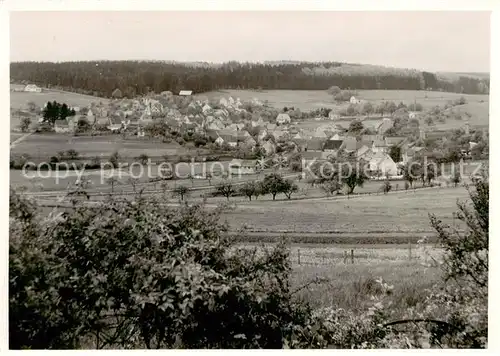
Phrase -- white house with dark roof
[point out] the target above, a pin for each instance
(32, 88)
(384, 164)
(61, 126)
(240, 166)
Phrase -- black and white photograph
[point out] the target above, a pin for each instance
(242, 179)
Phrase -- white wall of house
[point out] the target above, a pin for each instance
(386, 166)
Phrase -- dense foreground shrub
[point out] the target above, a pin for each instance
(136, 274)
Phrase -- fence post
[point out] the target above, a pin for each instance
(345, 256)
(409, 250)
(298, 255)
(352, 256)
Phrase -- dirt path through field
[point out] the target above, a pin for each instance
(20, 139)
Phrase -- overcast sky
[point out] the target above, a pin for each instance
(436, 41)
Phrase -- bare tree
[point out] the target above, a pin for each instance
(181, 191)
(112, 181)
(225, 189)
(209, 177)
(133, 182)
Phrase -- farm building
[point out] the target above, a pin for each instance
(283, 118)
(219, 141)
(238, 167)
(379, 146)
(32, 88)
(185, 92)
(384, 164)
(333, 115)
(115, 124)
(250, 142)
(61, 126)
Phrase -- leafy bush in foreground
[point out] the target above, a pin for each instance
(135, 274)
(139, 275)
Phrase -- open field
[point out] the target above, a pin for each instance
(314, 99)
(479, 116)
(15, 135)
(477, 105)
(428, 99)
(349, 285)
(46, 145)
(18, 100)
(404, 212)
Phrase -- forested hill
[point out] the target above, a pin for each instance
(133, 78)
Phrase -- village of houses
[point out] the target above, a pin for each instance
(226, 124)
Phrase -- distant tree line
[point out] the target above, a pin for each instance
(131, 78)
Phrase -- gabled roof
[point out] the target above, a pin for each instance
(212, 134)
(115, 120)
(333, 144)
(315, 144)
(379, 158)
(320, 134)
(271, 126)
(283, 117)
(310, 155)
(363, 150)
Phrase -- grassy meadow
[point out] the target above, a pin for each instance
(19, 99)
(401, 212)
(349, 284)
(314, 99)
(477, 105)
(46, 145)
